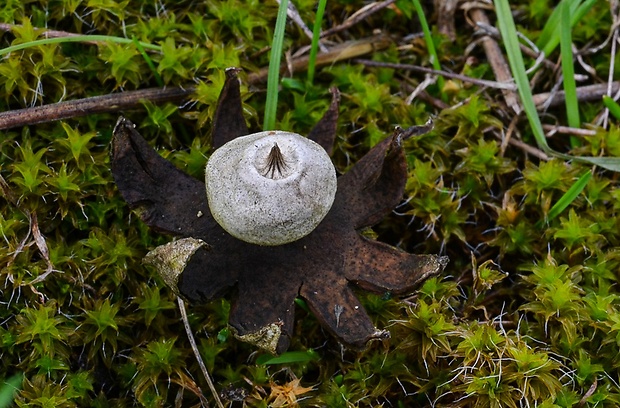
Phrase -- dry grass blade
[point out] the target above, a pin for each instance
(497, 61)
(201, 363)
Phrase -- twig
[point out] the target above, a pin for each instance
(553, 129)
(493, 32)
(417, 68)
(445, 10)
(498, 62)
(527, 148)
(344, 51)
(192, 342)
(614, 43)
(358, 16)
(46, 33)
(87, 106)
(293, 14)
(588, 93)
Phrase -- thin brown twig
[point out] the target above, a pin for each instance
(493, 32)
(344, 51)
(527, 148)
(552, 129)
(87, 106)
(360, 15)
(417, 68)
(508, 135)
(588, 93)
(293, 14)
(615, 12)
(445, 11)
(46, 32)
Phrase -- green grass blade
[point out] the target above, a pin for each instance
(509, 34)
(515, 60)
(316, 36)
(568, 197)
(568, 69)
(8, 389)
(148, 60)
(287, 358)
(550, 37)
(273, 79)
(430, 44)
(76, 38)
(612, 105)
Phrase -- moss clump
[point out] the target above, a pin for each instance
(528, 313)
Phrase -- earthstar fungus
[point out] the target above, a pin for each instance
(270, 188)
(321, 266)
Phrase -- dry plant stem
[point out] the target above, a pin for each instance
(192, 342)
(552, 129)
(526, 148)
(445, 10)
(87, 106)
(46, 33)
(614, 44)
(293, 14)
(508, 136)
(536, 55)
(588, 93)
(417, 68)
(410, 86)
(360, 15)
(344, 51)
(497, 61)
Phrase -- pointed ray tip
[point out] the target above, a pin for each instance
(231, 72)
(122, 122)
(335, 94)
(415, 130)
(443, 261)
(378, 335)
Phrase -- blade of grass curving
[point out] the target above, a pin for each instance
(568, 71)
(550, 37)
(148, 60)
(316, 36)
(76, 38)
(509, 34)
(430, 44)
(273, 79)
(508, 31)
(612, 105)
(567, 198)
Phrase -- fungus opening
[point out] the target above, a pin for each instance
(275, 162)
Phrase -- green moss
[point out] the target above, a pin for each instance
(533, 320)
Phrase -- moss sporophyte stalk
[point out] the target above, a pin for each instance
(275, 223)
